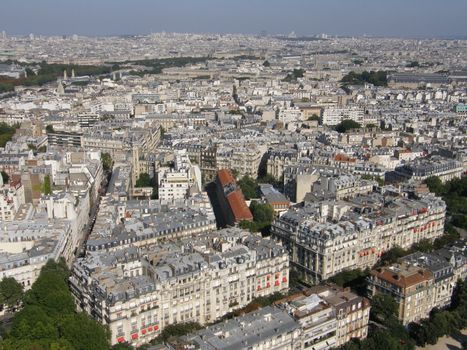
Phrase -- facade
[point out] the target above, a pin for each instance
(342, 186)
(244, 160)
(421, 169)
(269, 328)
(179, 181)
(321, 318)
(139, 291)
(278, 160)
(327, 237)
(410, 286)
(333, 116)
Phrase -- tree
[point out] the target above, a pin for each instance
(106, 161)
(48, 319)
(435, 185)
(49, 129)
(392, 255)
(46, 186)
(6, 133)
(248, 186)
(178, 330)
(346, 125)
(144, 180)
(378, 78)
(11, 292)
(424, 245)
(83, 332)
(383, 308)
(263, 214)
(314, 117)
(5, 177)
(266, 64)
(355, 279)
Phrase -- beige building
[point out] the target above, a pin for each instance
(419, 283)
(410, 286)
(244, 160)
(327, 237)
(141, 291)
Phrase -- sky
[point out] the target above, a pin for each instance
(390, 18)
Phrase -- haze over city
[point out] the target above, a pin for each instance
(396, 18)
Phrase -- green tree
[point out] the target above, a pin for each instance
(383, 308)
(392, 255)
(266, 64)
(354, 279)
(424, 245)
(46, 186)
(83, 332)
(106, 161)
(144, 180)
(314, 117)
(49, 129)
(178, 330)
(248, 186)
(6, 133)
(435, 185)
(48, 319)
(346, 125)
(11, 292)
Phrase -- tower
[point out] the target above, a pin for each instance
(65, 75)
(72, 73)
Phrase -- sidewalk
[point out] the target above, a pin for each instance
(446, 343)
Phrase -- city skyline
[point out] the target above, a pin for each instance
(417, 19)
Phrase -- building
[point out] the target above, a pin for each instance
(321, 318)
(137, 291)
(274, 198)
(342, 186)
(333, 116)
(413, 81)
(181, 180)
(327, 236)
(411, 287)
(231, 199)
(64, 139)
(269, 328)
(244, 160)
(278, 160)
(422, 168)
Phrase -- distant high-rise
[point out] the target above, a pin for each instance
(3, 36)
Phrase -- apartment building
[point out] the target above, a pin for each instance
(422, 168)
(278, 160)
(11, 198)
(342, 186)
(410, 286)
(269, 328)
(244, 160)
(328, 236)
(139, 291)
(333, 116)
(181, 180)
(320, 318)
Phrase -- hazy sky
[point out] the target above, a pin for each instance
(402, 18)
